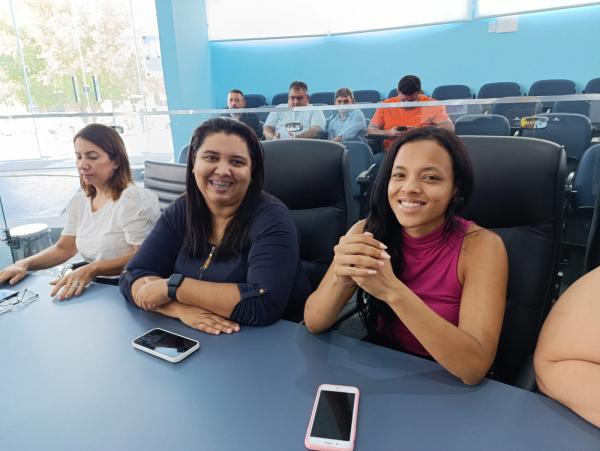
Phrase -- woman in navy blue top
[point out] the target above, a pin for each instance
(225, 253)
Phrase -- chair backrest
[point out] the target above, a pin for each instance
(312, 177)
(167, 180)
(499, 89)
(593, 86)
(515, 111)
(183, 154)
(556, 87)
(446, 92)
(325, 98)
(277, 99)
(255, 100)
(575, 107)
(573, 131)
(519, 193)
(367, 96)
(482, 124)
(586, 183)
(360, 158)
(393, 93)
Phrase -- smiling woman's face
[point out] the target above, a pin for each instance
(222, 170)
(421, 186)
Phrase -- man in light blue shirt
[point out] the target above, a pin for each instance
(313, 123)
(346, 125)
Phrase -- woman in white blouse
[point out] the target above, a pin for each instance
(107, 220)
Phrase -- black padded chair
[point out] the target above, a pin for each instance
(573, 131)
(482, 124)
(593, 86)
(519, 193)
(255, 100)
(579, 215)
(447, 92)
(324, 98)
(499, 89)
(280, 98)
(393, 93)
(312, 177)
(167, 180)
(367, 96)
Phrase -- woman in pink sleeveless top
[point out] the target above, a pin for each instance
(435, 283)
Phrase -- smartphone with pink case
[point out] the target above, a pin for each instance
(332, 425)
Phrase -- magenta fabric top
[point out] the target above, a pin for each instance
(430, 271)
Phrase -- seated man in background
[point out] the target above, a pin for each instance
(394, 121)
(567, 357)
(236, 99)
(313, 122)
(346, 125)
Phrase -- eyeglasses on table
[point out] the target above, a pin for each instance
(20, 300)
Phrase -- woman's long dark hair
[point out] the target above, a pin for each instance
(198, 215)
(382, 221)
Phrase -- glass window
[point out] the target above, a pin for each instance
(240, 19)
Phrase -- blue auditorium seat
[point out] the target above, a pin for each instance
(515, 111)
(482, 124)
(393, 93)
(555, 87)
(573, 131)
(593, 86)
(277, 99)
(255, 100)
(360, 158)
(367, 96)
(324, 98)
(447, 92)
(580, 211)
(576, 107)
(499, 89)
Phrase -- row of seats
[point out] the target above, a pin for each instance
(525, 209)
(445, 92)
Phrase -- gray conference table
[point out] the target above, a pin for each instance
(70, 380)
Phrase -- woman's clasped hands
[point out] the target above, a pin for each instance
(361, 260)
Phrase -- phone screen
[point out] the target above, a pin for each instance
(333, 418)
(165, 342)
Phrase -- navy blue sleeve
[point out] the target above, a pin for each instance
(272, 264)
(158, 252)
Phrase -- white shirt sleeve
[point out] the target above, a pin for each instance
(74, 211)
(137, 212)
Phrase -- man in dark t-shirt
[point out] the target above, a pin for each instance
(236, 99)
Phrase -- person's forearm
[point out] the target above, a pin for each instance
(456, 350)
(219, 298)
(312, 132)
(376, 131)
(324, 304)
(48, 258)
(268, 132)
(112, 267)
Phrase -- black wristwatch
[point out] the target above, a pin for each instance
(172, 285)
